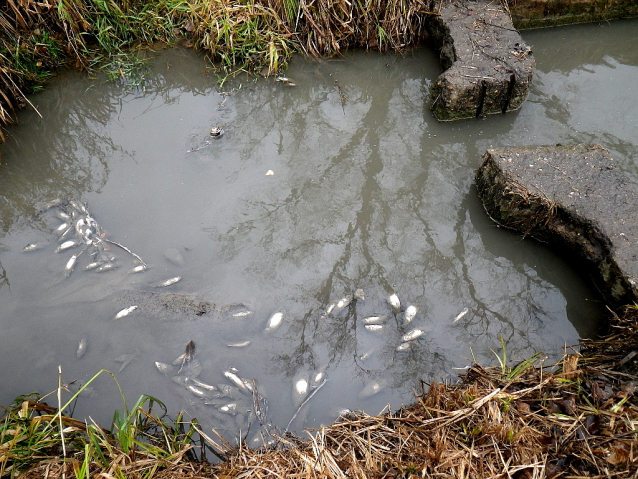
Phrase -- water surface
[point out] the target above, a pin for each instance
(368, 191)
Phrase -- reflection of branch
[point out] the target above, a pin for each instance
(4, 279)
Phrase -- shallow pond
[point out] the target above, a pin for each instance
(367, 191)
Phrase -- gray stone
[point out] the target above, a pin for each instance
(488, 66)
(573, 196)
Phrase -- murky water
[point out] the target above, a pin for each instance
(370, 193)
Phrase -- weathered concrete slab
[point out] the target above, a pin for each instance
(489, 67)
(573, 196)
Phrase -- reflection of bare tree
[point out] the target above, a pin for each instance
(4, 279)
(70, 154)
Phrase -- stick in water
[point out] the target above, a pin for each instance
(305, 401)
(125, 249)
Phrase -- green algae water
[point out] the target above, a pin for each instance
(342, 182)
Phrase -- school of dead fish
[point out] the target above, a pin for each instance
(238, 398)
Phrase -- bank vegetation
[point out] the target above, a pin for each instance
(38, 36)
(577, 418)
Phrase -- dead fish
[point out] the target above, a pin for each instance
(67, 245)
(299, 389)
(61, 228)
(336, 308)
(275, 321)
(411, 335)
(125, 312)
(282, 80)
(409, 314)
(169, 282)
(371, 389)
(52, 204)
(404, 347)
(359, 295)
(241, 314)
(106, 267)
(93, 265)
(63, 216)
(375, 319)
(461, 315)
(33, 247)
(181, 380)
(202, 385)
(318, 377)
(394, 302)
(374, 327)
(236, 380)
(188, 355)
(216, 132)
(68, 269)
(366, 355)
(138, 269)
(196, 391)
(241, 344)
(81, 348)
(163, 368)
(229, 408)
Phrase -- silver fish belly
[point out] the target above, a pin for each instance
(241, 344)
(461, 315)
(201, 385)
(106, 267)
(33, 247)
(410, 314)
(68, 269)
(374, 327)
(67, 245)
(404, 346)
(163, 367)
(125, 312)
(138, 269)
(81, 348)
(375, 319)
(236, 380)
(411, 335)
(394, 302)
(196, 391)
(169, 282)
(275, 321)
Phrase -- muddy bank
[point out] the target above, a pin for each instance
(572, 196)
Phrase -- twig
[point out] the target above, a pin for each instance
(304, 403)
(125, 249)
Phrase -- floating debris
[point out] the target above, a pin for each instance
(270, 173)
(409, 315)
(359, 295)
(125, 312)
(217, 132)
(81, 348)
(411, 335)
(461, 315)
(168, 282)
(189, 353)
(241, 344)
(275, 321)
